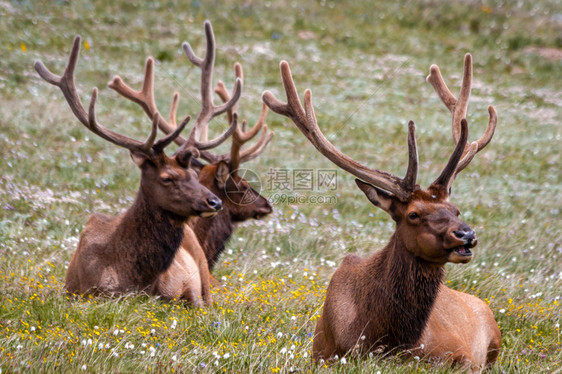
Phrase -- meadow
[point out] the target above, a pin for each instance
(366, 65)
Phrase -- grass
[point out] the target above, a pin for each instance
(366, 65)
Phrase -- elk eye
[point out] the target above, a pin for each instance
(166, 180)
(413, 215)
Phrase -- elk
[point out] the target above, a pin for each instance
(221, 176)
(130, 252)
(394, 299)
(240, 201)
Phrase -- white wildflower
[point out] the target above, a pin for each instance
(84, 367)
(343, 361)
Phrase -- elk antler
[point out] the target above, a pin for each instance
(208, 109)
(68, 87)
(241, 136)
(458, 108)
(305, 120)
(145, 98)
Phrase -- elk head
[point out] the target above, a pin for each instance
(222, 174)
(167, 182)
(427, 224)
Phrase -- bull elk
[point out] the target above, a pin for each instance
(240, 201)
(131, 251)
(395, 299)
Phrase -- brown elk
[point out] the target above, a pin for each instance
(131, 251)
(395, 298)
(240, 201)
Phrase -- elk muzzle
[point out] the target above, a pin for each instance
(466, 237)
(215, 204)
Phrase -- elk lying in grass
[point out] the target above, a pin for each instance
(395, 298)
(240, 201)
(131, 251)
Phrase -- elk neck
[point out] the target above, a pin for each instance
(153, 237)
(402, 292)
(213, 233)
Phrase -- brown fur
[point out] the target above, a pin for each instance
(188, 276)
(129, 252)
(395, 298)
(214, 233)
(389, 300)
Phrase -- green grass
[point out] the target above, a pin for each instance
(366, 66)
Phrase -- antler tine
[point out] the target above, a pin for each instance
(448, 174)
(168, 127)
(67, 85)
(192, 142)
(305, 120)
(247, 154)
(256, 149)
(173, 136)
(208, 109)
(241, 136)
(145, 98)
(201, 146)
(222, 91)
(458, 108)
(66, 81)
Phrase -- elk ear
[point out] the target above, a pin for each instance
(139, 158)
(221, 176)
(376, 196)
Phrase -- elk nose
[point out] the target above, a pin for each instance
(214, 203)
(468, 236)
